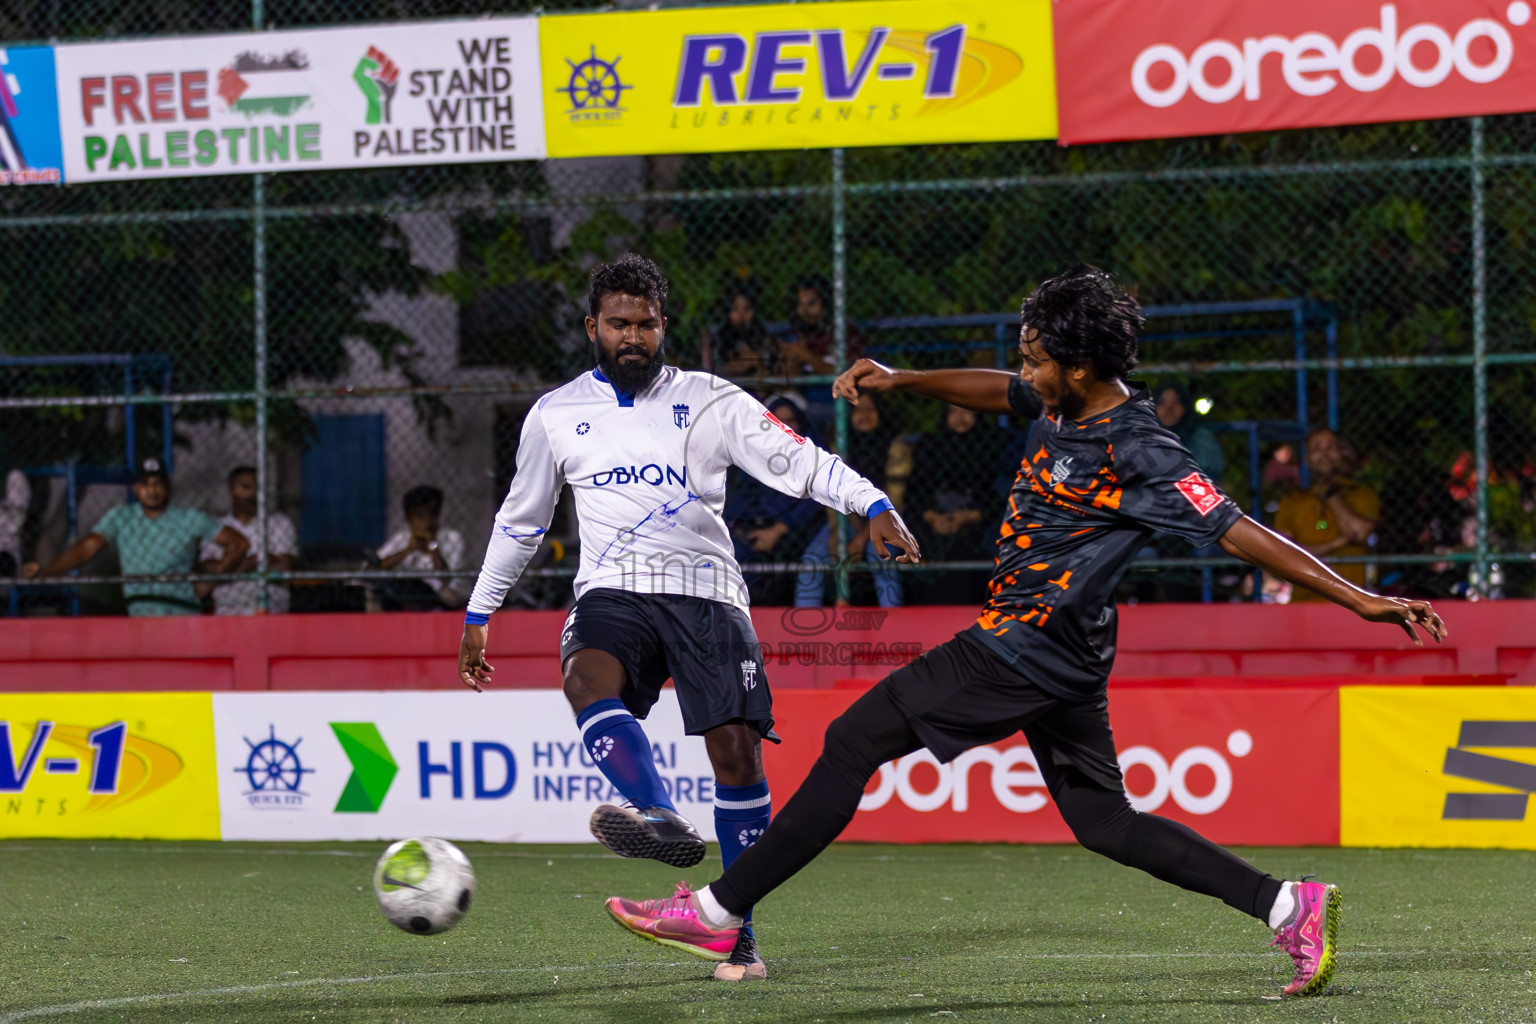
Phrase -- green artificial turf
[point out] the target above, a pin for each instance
(121, 931)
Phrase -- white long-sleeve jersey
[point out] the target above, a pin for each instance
(648, 474)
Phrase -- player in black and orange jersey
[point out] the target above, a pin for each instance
(1101, 475)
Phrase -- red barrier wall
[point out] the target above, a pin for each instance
(807, 648)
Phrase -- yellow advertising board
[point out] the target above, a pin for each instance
(791, 76)
(99, 765)
(1437, 766)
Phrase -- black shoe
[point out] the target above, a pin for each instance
(654, 832)
(743, 964)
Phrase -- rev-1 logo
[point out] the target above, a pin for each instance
(719, 59)
(650, 474)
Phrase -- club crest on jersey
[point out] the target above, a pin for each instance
(748, 675)
(582, 428)
(1061, 469)
(1199, 492)
(680, 416)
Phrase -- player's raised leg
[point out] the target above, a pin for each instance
(651, 827)
(874, 730)
(743, 808)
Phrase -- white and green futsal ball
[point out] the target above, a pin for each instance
(424, 886)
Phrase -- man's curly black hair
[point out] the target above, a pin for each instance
(1086, 319)
(630, 274)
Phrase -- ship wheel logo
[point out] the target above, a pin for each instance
(274, 766)
(595, 84)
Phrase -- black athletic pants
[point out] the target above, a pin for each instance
(875, 730)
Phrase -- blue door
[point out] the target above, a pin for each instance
(342, 476)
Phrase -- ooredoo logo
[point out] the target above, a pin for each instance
(1423, 54)
(1018, 785)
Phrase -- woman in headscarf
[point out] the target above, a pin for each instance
(1176, 412)
(740, 346)
(870, 436)
(768, 525)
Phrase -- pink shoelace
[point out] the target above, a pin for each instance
(679, 904)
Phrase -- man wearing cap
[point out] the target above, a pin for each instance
(153, 537)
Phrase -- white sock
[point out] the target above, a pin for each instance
(712, 913)
(1285, 905)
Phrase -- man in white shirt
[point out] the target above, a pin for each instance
(645, 448)
(244, 597)
(425, 544)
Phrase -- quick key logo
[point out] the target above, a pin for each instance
(1518, 776)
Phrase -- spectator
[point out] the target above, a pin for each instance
(767, 525)
(425, 544)
(15, 499)
(1334, 516)
(870, 440)
(154, 537)
(955, 503)
(1176, 412)
(740, 346)
(810, 347)
(244, 597)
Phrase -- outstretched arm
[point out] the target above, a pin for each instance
(76, 555)
(1268, 550)
(520, 527)
(762, 445)
(982, 390)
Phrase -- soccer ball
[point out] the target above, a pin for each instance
(424, 885)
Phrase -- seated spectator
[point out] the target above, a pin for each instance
(1334, 516)
(768, 525)
(425, 544)
(954, 504)
(154, 537)
(809, 348)
(740, 346)
(244, 597)
(870, 441)
(15, 499)
(1176, 412)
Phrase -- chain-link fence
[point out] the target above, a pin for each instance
(359, 338)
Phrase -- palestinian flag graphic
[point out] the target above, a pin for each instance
(261, 84)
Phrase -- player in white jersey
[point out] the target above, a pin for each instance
(645, 448)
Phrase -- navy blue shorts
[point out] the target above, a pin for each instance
(707, 648)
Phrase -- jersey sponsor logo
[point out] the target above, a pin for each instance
(771, 418)
(1199, 492)
(680, 416)
(582, 428)
(651, 474)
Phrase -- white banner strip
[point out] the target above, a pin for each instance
(375, 96)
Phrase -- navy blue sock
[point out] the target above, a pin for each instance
(741, 817)
(619, 748)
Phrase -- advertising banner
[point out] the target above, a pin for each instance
(1438, 767)
(801, 75)
(506, 767)
(108, 765)
(30, 151)
(1139, 69)
(1229, 763)
(378, 96)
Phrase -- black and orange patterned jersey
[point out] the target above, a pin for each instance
(1087, 496)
